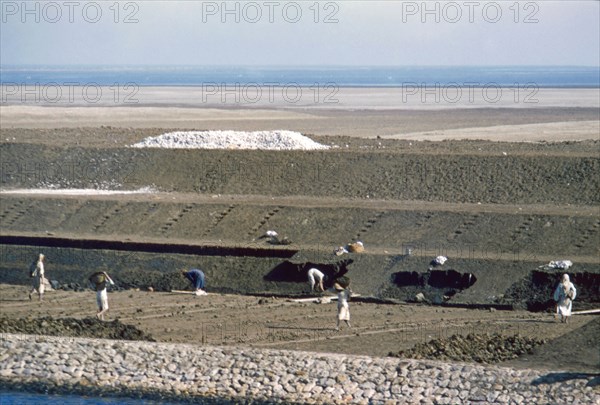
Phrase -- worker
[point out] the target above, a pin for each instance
(196, 277)
(343, 309)
(38, 277)
(99, 281)
(315, 278)
(564, 295)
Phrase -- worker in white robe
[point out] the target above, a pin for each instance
(38, 277)
(343, 309)
(315, 278)
(99, 281)
(564, 295)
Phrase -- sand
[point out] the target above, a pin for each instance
(550, 132)
(496, 124)
(306, 98)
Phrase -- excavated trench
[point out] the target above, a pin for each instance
(535, 291)
(149, 247)
(288, 271)
(436, 286)
(465, 285)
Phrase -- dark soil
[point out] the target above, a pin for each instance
(497, 210)
(582, 345)
(485, 348)
(368, 172)
(535, 292)
(71, 327)
(274, 322)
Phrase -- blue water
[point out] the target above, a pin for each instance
(21, 398)
(542, 76)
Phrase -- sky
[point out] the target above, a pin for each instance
(300, 33)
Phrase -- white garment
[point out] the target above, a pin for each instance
(440, 260)
(102, 299)
(38, 274)
(564, 303)
(560, 264)
(315, 276)
(343, 307)
(109, 279)
(340, 251)
(102, 295)
(39, 268)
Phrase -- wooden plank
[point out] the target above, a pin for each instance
(185, 292)
(332, 297)
(589, 311)
(316, 299)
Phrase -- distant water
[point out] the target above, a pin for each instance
(541, 76)
(22, 398)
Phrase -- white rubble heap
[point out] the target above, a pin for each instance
(560, 264)
(77, 191)
(264, 140)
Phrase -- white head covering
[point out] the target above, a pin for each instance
(41, 257)
(565, 279)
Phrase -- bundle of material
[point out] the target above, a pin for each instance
(356, 247)
(341, 283)
(440, 260)
(560, 264)
(340, 251)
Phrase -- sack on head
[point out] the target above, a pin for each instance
(98, 278)
(342, 282)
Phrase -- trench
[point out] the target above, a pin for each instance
(147, 247)
(273, 272)
(436, 286)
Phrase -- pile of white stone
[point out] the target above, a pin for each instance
(52, 190)
(244, 375)
(264, 140)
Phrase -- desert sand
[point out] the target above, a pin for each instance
(551, 124)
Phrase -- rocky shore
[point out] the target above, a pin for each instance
(210, 374)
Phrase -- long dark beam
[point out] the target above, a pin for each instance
(151, 247)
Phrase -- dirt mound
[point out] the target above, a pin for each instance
(87, 327)
(480, 348)
(577, 350)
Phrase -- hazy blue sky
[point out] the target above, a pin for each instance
(301, 33)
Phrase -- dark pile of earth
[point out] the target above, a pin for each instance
(87, 328)
(480, 348)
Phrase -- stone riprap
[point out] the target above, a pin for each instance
(210, 374)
